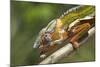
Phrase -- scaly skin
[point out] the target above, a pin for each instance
(57, 31)
(77, 13)
(65, 20)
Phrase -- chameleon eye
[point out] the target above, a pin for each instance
(45, 35)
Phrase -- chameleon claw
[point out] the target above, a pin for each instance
(42, 56)
(76, 45)
(55, 42)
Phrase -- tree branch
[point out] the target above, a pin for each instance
(64, 51)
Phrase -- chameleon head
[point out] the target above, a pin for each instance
(45, 42)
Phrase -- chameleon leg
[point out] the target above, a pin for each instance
(74, 41)
(81, 30)
(62, 36)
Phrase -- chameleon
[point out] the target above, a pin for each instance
(71, 26)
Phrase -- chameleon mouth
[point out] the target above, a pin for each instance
(43, 50)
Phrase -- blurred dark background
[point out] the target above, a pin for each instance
(27, 19)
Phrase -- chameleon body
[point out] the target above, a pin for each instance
(70, 27)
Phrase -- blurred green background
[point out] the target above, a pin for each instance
(27, 19)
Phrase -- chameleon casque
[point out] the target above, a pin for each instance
(70, 27)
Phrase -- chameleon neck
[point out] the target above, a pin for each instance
(76, 13)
